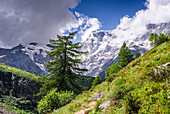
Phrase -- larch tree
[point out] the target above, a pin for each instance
(63, 67)
(124, 56)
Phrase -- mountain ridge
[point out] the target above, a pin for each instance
(103, 50)
(103, 47)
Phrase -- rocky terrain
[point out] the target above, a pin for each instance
(18, 86)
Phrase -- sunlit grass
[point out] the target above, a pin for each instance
(134, 89)
(17, 72)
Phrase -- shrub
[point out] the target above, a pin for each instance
(54, 100)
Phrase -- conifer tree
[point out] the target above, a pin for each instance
(158, 39)
(124, 56)
(137, 55)
(96, 81)
(64, 68)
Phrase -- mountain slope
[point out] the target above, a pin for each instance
(141, 87)
(28, 57)
(103, 46)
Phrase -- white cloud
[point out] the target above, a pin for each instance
(93, 24)
(157, 12)
(85, 25)
(24, 21)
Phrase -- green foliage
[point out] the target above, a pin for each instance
(16, 110)
(17, 72)
(86, 83)
(124, 56)
(19, 103)
(135, 89)
(111, 71)
(97, 81)
(139, 88)
(138, 54)
(158, 39)
(63, 68)
(54, 100)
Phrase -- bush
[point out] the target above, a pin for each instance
(54, 100)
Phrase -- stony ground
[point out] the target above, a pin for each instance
(4, 111)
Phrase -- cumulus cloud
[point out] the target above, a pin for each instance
(157, 12)
(86, 25)
(24, 21)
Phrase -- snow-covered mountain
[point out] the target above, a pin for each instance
(103, 47)
(29, 57)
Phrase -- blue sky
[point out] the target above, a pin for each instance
(109, 12)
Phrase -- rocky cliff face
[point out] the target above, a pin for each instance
(18, 86)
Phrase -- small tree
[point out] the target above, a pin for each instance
(97, 81)
(114, 68)
(138, 54)
(158, 39)
(124, 56)
(63, 68)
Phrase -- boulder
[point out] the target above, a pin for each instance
(98, 96)
(104, 105)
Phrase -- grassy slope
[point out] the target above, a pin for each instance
(17, 72)
(134, 90)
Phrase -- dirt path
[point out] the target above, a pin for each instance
(88, 107)
(4, 111)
